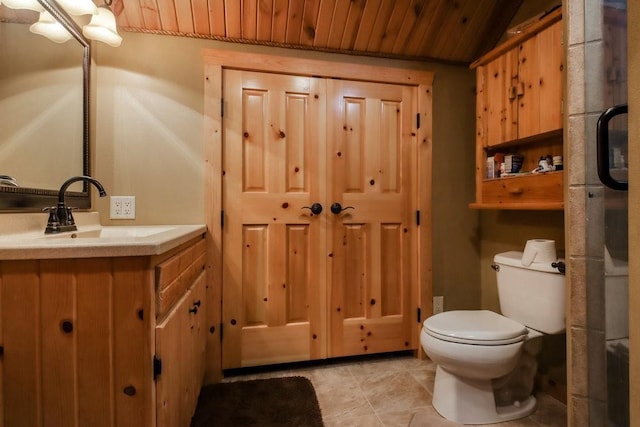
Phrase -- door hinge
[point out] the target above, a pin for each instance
(417, 217)
(157, 367)
(418, 120)
(222, 219)
(221, 107)
(419, 315)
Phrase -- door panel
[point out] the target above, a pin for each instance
(500, 77)
(274, 274)
(542, 82)
(370, 151)
(550, 47)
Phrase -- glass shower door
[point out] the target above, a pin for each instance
(613, 172)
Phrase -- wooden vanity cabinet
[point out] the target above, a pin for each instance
(103, 341)
(519, 111)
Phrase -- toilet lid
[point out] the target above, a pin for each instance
(475, 327)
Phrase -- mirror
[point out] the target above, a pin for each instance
(44, 124)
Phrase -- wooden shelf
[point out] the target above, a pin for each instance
(546, 137)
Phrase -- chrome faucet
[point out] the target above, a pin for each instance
(60, 217)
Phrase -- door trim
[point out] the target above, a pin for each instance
(214, 62)
(314, 67)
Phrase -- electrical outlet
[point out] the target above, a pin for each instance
(123, 207)
(438, 304)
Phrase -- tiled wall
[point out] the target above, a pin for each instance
(584, 215)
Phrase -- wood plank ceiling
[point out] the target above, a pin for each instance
(452, 31)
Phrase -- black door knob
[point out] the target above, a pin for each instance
(336, 208)
(315, 208)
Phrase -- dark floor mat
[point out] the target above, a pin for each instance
(289, 401)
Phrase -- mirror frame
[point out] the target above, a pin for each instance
(34, 199)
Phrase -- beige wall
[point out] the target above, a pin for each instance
(149, 143)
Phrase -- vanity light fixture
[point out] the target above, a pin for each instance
(78, 7)
(50, 28)
(24, 4)
(56, 24)
(103, 26)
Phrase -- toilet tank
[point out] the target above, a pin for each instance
(533, 295)
(616, 298)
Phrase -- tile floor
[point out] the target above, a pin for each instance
(388, 391)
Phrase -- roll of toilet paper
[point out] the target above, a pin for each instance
(539, 250)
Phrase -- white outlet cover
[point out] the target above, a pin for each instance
(438, 304)
(123, 207)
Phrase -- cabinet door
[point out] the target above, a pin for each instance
(75, 347)
(174, 386)
(500, 98)
(540, 75)
(550, 48)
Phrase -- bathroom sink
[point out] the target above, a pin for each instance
(91, 239)
(114, 232)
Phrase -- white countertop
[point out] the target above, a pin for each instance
(22, 237)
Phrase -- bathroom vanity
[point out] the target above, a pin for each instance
(104, 328)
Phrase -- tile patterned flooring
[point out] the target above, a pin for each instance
(388, 391)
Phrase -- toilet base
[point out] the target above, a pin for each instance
(470, 401)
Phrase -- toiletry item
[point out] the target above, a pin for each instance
(513, 163)
(557, 163)
(491, 168)
(543, 165)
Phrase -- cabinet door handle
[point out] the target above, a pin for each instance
(520, 89)
(193, 310)
(197, 303)
(512, 93)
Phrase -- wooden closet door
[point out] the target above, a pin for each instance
(372, 156)
(274, 280)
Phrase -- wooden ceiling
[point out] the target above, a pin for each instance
(453, 31)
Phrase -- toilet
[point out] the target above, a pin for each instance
(486, 361)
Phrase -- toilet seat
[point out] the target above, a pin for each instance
(475, 327)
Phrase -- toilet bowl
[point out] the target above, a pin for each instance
(486, 361)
